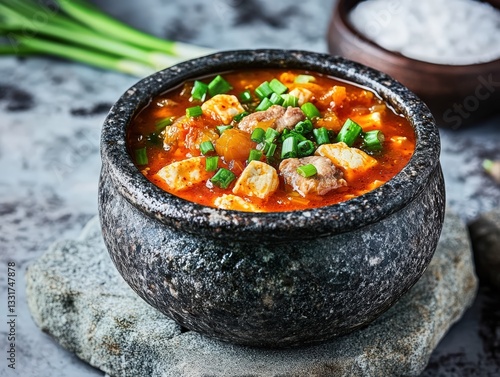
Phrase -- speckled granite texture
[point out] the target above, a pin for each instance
(77, 296)
(51, 113)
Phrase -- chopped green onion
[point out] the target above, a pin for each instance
(206, 147)
(307, 171)
(304, 127)
(271, 135)
(246, 96)
(258, 135)
(290, 100)
(276, 99)
(271, 148)
(218, 86)
(289, 148)
(349, 132)
(310, 110)
(254, 155)
(304, 79)
(305, 148)
(223, 128)
(277, 86)
(141, 156)
(223, 178)
(240, 116)
(372, 140)
(264, 105)
(162, 123)
(211, 163)
(194, 111)
(297, 136)
(263, 90)
(321, 135)
(199, 91)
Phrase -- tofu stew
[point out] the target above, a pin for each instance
(269, 140)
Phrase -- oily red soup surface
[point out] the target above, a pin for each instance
(336, 100)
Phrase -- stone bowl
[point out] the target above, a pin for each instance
(457, 95)
(271, 279)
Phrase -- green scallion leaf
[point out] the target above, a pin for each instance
(290, 100)
(199, 91)
(307, 171)
(240, 116)
(349, 132)
(211, 163)
(277, 86)
(207, 147)
(194, 111)
(289, 148)
(305, 148)
(254, 155)
(223, 178)
(276, 99)
(321, 135)
(258, 135)
(263, 90)
(310, 110)
(271, 135)
(218, 86)
(271, 148)
(246, 96)
(372, 140)
(162, 123)
(264, 105)
(304, 79)
(141, 156)
(304, 127)
(223, 128)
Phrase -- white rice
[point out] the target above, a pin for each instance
(451, 32)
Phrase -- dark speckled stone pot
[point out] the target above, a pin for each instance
(271, 279)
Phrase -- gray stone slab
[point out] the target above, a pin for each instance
(76, 296)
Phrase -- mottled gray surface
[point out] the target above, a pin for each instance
(51, 113)
(485, 234)
(77, 296)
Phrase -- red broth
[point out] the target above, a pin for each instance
(162, 134)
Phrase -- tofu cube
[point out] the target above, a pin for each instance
(236, 203)
(223, 107)
(352, 161)
(183, 174)
(258, 179)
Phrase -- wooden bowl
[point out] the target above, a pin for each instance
(457, 95)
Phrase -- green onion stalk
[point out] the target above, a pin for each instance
(79, 31)
(493, 169)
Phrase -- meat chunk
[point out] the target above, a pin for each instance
(258, 179)
(183, 174)
(223, 107)
(290, 118)
(351, 160)
(276, 117)
(328, 177)
(261, 119)
(236, 203)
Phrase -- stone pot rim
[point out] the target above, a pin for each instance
(275, 226)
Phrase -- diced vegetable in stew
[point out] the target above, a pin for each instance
(269, 141)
